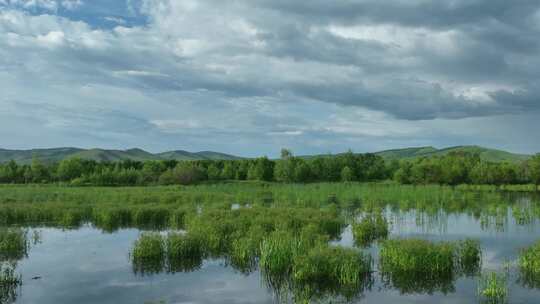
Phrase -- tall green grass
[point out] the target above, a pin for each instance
(529, 264)
(185, 252)
(148, 254)
(14, 244)
(171, 207)
(331, 270)
(372, 227)
(416, 265)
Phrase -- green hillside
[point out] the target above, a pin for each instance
(486, 154)
(46, 155)
(58, 154)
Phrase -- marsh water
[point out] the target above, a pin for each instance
(88, 265)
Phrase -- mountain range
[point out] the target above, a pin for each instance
(58, 154)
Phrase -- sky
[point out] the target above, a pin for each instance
(249, 77)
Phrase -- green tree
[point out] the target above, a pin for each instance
(213, 172)
(38, 171)
(151, 171)
(261, 169)
(284, 170)
(301, 171)
(70, 168)
(534, 164)
(403, 174)
(229, 171)
(347, 174)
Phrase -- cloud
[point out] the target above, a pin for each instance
(309, 75)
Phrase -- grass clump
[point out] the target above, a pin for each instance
(277, 254)
(414, 265)
(331, 270)
(246, 250)
(369, 229)
(492, 288)
(148, 255)
(13, 244)
(529, 265)
(185, 252)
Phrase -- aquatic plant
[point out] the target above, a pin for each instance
(185, 252)
(522, 215)
(9, 282)
(370, 228)
(493, 288)
(14, 244)
(148, 254)
(246, 250)
(415, 265)
(416, 255)
(470, 256)
(529, 265)
(331, 270)
(278, 251)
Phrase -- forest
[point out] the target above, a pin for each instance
(451, 169)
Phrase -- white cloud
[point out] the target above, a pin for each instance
(251, 76)
(51, 39)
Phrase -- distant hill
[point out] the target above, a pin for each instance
(486, 154)
(58, 154)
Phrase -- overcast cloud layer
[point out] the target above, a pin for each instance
(251, 76)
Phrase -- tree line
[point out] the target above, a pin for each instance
(452, 169)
